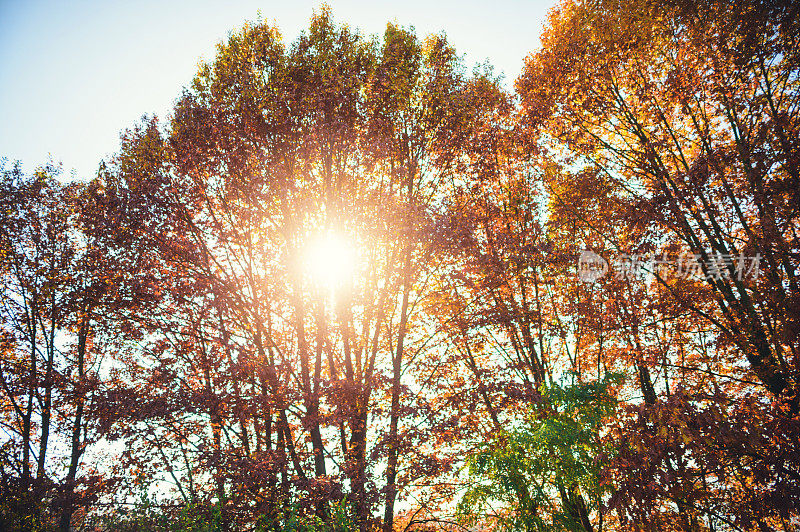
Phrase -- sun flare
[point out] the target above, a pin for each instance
(330, 260)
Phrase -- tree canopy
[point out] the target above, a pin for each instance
(343, 286)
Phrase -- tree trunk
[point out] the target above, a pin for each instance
(77, 426)
(391, 465)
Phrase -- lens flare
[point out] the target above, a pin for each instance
(330, 260)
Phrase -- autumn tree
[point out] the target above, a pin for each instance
(53, 285)
(672, 121)
(256, 357)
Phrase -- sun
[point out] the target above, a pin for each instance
(330, 260)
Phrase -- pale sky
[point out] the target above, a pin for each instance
(75, 74)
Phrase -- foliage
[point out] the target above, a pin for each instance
(518, 477)
(343, 269)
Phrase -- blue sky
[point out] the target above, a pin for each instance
(73, 75)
